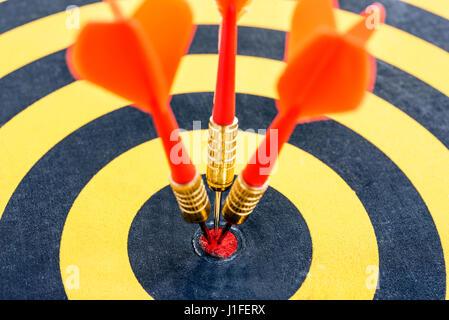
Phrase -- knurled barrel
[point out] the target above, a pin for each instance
(241, 201)
(192, 200)
(222, 149)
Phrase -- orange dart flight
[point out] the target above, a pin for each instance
(137, 58)
(326, 72)
(224, 104)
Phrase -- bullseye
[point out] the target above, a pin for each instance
(222, 250)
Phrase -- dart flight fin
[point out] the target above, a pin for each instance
(168, 25)
(135, 58)
(329, 74)
(309, 15)
(113, 56)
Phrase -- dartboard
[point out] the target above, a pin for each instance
(358, 207)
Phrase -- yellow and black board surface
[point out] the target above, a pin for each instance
(357, 209)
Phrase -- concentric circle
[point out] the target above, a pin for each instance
(230, 247)
(272, 264)
(103, 214)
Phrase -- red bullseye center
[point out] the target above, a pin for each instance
(219, 250)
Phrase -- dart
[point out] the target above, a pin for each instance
(223, 125)
(326, 72)
(136, 59)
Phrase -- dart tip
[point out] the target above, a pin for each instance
(224, 231)
(205, 231)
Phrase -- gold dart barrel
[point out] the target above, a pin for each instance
(222, 150)
(241, 201)
(192, 200)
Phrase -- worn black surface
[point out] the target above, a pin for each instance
(272, 264)
(25, 86)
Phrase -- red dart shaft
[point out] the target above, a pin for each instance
(181, 167)
(224, 106)
(258, 169)
(115, 9)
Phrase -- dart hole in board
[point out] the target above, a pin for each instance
(231, 246)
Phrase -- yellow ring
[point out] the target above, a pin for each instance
(438, 7)
(96, 230)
